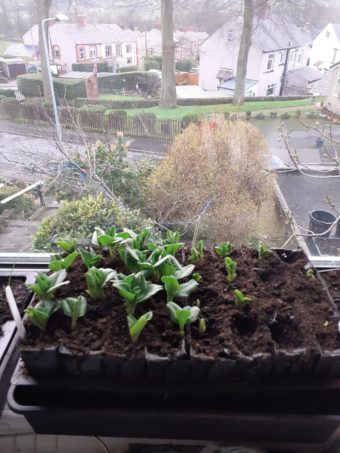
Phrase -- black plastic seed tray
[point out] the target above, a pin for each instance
(291, 411)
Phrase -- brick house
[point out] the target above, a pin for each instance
(82, 42)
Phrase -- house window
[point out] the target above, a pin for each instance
(270, 63)
(128, 48)
(337, 88)
(93, 52)
(118, 50)
(270, 90)
(129, 60)
(108, 51)
(282, 57)
(151, 51)
(299, 58)
(56, 51)
(335, 51)
(81, 53)
(328, 34)
(230, 35)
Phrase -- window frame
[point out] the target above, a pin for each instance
(271, 62)
(108, 47)
(272, 87)
(128, 48)
(81, 50)
(91, 48)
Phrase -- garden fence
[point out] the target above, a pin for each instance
(91, 121)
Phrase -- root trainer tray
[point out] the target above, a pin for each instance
(290, 327)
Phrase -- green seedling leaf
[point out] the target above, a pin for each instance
(40, 314)
(172, 237)
(223, 249)
(90, 258)
(202, 327)
(110, 239)
(139, 241)
(310, 273)
(136, 326)
(96, 280)
(241, 301)
(45, 285)
(197, 253)
(262, 250)
(182, 316)
(197, 277)
(172, 267)
(135, 289)
(74, 307)
(58, 262)
(132, 258)
(231, 269)
(69, 246)
(175, 289)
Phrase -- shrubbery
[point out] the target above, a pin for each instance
(78, 218)
(23, 205)
(31, 85)
(153, 62)
(216, 174)
(88, 67)
(184, 65)
(188, 119)
(7, 92)
(127, 69)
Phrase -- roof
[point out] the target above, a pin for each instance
(86, 34)
(230, 84)
(268, 34)
(335, 65)
(224, 73)
(321, 86)
(19, 50)
(307, 73)
(337, 30)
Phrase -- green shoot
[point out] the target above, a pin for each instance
(197, 254)
(89, 257)
(132, 258)
(58, 262)
(69, 246)
(137, 325)
(96, 281)
(175, 289)
(231, 266)
(45, 285)
(310, 273)
(171, 266)
(240, 299)
(223, 249)
(182, 316)
(172, 242)
(262, 250)
(40, 314)
(202, 327)
(197, 277)
(110, 239)
(138, 242)
(74, 307)
(135, 289)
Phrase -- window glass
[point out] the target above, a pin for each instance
(270, 63)
(270, 89)
(93, 52)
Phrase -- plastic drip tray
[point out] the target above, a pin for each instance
(298, 410)
(327, 246)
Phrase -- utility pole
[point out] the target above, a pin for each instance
(284, 72)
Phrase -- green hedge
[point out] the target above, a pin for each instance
(7, 92)
(154, 62)
(137, 104)
(88, 67)
(127, 69)
(183, 65)
(123, 80)
(30, 85)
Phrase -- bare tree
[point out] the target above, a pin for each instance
(43, 11)
(168, 90)
(245, 43)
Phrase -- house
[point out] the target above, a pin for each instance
(228, 87)
(187, 44)
(82, 42)
(300, 80)
(332, 102)
(276, 45)
(326, 48)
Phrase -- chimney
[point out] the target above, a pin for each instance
(80, 20)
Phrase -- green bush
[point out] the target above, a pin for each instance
(30, 85)
(6, 100)
(154, 62)
(127, 69)
(187, 119)
(7, 92)
(88, 67)
(23, 205)
(96, 108)
(118, 82)
(78, 218)
(183, 65)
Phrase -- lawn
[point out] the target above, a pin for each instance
(4, 45)
(119, 97)
(201, 110)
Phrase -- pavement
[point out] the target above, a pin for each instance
(194, 91)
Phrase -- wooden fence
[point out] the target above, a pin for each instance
(92, 121)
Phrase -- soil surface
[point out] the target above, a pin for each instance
(332, 279)
(21, 295)
(288, 310)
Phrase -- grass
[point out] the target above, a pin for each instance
(202, 110)
(118, 97)
(4, 45)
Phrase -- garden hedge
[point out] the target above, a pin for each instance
(183, 65)
(128, 104)
(7, 92)
(123, 80)
(30, 85)
(154, 62)
(127, 69)
(88, 67)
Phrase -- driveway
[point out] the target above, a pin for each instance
(194, 91)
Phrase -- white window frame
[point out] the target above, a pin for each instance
(118, 50)
(82, 53)
(128, 48)
(337, 87)
(270, 87)
(328, 34)
(108, 47)
(270, 61)
(129, 60)
(91, 50)
(56, 51)
(335, 51)
(282, 56)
